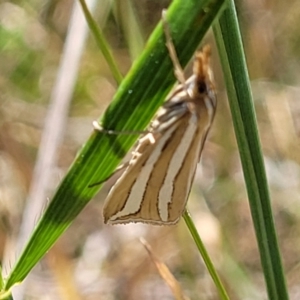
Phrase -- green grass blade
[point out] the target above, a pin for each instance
(244, 119)
(210, 267)
(130, 24)
(1, 279)
(134, 104)
(4, 295)
(101, 42)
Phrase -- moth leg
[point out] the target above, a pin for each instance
(135, 155)
(149, 136)
(99, 128)
(178, 71)
(119, 168)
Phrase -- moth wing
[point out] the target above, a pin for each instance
(116, 200)
(155, 186)
(183, 180)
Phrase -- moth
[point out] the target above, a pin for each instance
(156, 183)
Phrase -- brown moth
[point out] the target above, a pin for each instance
(156, 183)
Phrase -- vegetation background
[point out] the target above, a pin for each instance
(33, 36)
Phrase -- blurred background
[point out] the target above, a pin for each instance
(49, 62)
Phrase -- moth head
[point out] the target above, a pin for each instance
(202, 71)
